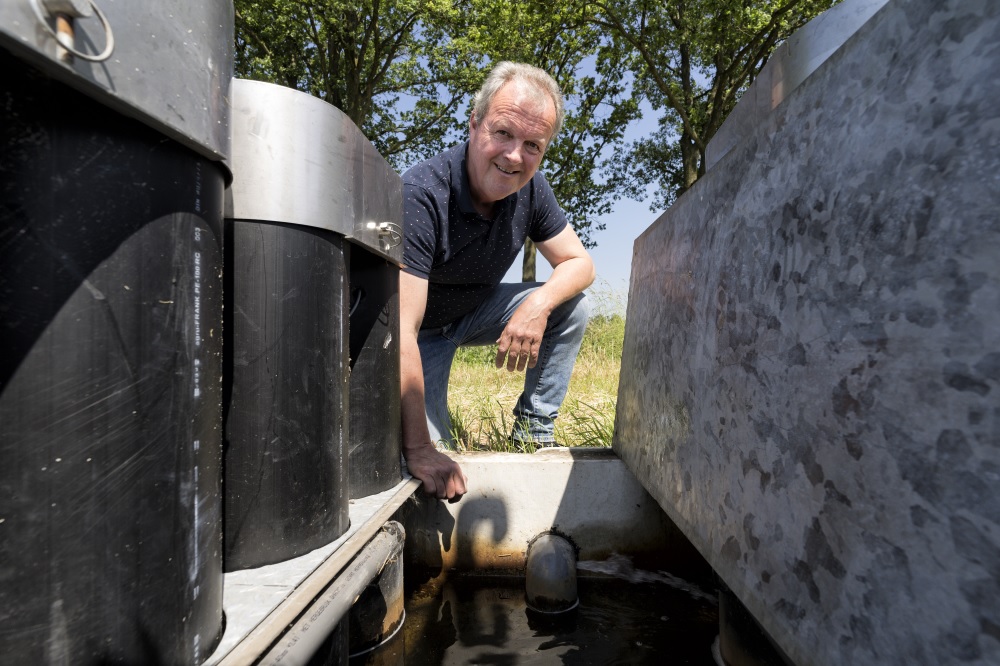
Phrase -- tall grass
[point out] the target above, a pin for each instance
(481, 397)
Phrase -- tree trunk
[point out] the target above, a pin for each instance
(691, 157)
(528, 266)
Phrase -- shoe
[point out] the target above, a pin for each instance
(531, 445)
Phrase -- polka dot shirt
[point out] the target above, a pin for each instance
(459, 252)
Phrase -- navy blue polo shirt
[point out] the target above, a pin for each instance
(460, 253)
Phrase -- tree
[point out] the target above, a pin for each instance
(405, 70)
(390, 66)
(695, 58)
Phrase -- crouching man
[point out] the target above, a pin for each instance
(467, 213)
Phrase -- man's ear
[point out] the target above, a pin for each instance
(473, 122)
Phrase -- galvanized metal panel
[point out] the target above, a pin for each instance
(790, 64)
(812, 358)
(299, 160)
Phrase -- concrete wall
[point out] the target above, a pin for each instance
(585, 494)
(811, 377)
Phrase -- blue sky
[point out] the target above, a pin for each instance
(613, 254)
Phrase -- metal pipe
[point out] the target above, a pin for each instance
(306, 635)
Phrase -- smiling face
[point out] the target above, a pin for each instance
(507, 145)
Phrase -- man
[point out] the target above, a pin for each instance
(467, 213)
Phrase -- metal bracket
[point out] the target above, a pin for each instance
(390, 234)
(63, 13)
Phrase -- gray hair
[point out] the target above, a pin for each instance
(537, 79)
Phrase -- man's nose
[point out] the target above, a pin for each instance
(513, 153)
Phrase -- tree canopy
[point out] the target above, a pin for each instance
(392, 67)
(405, 70)
(694, 58)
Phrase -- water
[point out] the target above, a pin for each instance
(625, 616)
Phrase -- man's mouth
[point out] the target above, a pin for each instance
(509, 173)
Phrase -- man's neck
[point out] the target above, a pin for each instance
(486, 209)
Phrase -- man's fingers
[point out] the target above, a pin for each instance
(512, 356)
(533, 359)
(430, 487)
(518, 356)
(503, 345)
(460, 481)
(443, 478)
(454, 485)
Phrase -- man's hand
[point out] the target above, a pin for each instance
(443, 477)
(572, 272)
(522, 337)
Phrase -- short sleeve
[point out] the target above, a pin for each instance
(420, 220)
(548, 218)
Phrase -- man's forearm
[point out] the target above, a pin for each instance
(442, 477)
(568, 279)
(415, 432)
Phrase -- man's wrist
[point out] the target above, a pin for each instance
(539, 301)
(419, 445)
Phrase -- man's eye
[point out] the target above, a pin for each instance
(504, 133)
(534, 147)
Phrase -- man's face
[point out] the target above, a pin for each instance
(506, 146)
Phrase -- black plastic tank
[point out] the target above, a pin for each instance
(287, 356)
(375, 427)
(312, 372)
(110, 384)
(376, 255)
(286, 379)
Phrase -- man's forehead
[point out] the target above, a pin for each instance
(524, 110)
(527, 97)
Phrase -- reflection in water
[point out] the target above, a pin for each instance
(625, 616)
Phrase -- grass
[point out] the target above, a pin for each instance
(481, 397)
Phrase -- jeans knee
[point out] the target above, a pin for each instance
(579, 313)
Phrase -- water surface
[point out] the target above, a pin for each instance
(625, 616)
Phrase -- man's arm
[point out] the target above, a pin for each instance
(572, 272)
(441, 475)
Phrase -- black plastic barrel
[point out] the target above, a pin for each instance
(110, 385)
(375, 435)
(287, 390)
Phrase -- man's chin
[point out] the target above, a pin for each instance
(505, 188)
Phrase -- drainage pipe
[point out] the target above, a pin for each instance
(550, 574)
(306, 635)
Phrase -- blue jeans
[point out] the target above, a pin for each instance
(544, 385)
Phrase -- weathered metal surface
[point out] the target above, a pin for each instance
(170, 65)
(811, 377)
(300, 160)
(790, 64)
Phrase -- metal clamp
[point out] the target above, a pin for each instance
(390, 234)
(109, 38)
